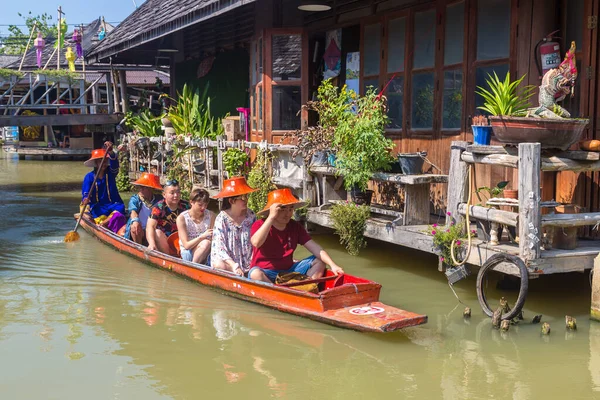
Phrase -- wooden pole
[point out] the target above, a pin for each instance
(58, 43)
(123, 86)
(595, 309)
(457, 181)
(27, 47)
(530, 219)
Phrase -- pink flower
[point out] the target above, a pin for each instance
(434, 225)
(458, 242)
(448, 213)
(442, 258)
(447, 230)
(433, 232)
(452, 223)
(473, 231)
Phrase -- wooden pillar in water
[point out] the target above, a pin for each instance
(530, 218)
(457, 181)
(595, 309)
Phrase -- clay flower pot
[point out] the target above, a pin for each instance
(511, 194)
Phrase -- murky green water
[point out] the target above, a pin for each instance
(83, 321)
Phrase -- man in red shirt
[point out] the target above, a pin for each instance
(275, 239)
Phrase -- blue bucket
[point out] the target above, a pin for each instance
(482, 134)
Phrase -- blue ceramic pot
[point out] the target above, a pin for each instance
(482, 134)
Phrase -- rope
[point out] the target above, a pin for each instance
(455, 295)
(467, 226)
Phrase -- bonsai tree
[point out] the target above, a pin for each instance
(362, 147)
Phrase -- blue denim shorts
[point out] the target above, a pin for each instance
(187, 255)
(301, 266)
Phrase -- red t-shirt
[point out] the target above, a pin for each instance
(277, 252)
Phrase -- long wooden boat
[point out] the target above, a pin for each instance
(346, 301)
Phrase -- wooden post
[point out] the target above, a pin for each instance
(123, 86)
(220, 148)
(115, 91)
(457, 181)
(530, 219)
(595, 310)
(109, 95)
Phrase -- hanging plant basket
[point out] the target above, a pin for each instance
(550, 133)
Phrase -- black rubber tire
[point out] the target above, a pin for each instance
(489, 265)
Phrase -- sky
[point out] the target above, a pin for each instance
(76, 11)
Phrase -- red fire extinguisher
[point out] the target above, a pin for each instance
(549, 54)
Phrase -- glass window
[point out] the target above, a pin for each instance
(396, 45)
(493, 29)
(286, 105)
(287, 57)
(422, 101)
(455, 33)
(374, 82)
(452, 111)
(424, 40)
(575, 23)
(372, 49)
(481, 76)
(395, 97)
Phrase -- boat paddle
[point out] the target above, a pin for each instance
(73, 236)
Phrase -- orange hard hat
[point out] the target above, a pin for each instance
(148, 180)
(97, 154)
(283, 196)
(235, 186)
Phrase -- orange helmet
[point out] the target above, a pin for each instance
(283, 196)
(148, 180)
(235, 186)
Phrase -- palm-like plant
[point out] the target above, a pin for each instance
(505, 97)
(191, 115)
(145, 123)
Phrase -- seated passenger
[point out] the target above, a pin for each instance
(195, 227)
(162, 220)
(105, 204)
(140, 206)
(275, 239)
(231, 249)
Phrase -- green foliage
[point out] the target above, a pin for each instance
(360, 141)
(54, 75)
(235, 162)
(349, 222)
(260, 178)
(16, 41)
(123, 181)
(144, 123)
(495, 191)
(7, 73)
(443, 236)
(191, 115)
(505, 97)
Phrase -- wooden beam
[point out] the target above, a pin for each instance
(457, 184)
(490, 214)
(552, 163)
(571, 220)
(530, 226)
(60, 119)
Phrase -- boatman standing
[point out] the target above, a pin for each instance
(275, 239)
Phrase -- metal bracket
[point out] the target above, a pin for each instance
(592, 22)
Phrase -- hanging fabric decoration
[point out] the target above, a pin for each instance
(101, 34)
(70, 56)
(77, 39)
(333, 54)
(62, 32)
(39, 44)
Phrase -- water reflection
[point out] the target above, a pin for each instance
(85, 319)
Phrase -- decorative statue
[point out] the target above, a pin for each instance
(557, 83)
(39, 44)
(77, 40)
(70, 56)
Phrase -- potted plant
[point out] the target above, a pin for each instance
(482, 130)
(315, 143)
(360, 141)
(260, 178)
(235, 162)
(191, 117)
(443, 236)
(144, 123)
(349, 222)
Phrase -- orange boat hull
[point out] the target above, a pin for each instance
(346, 301)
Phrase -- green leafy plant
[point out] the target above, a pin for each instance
(493, 192)
(505, 97)
(360, 141)
(191, 116)
(123, 181)
(349, 222)
(144, 123)
(443, 236)
(16, 40)
(260, 178)
(54, 75)
(7, 73)
(235, 162)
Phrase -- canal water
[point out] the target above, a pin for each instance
(83, 321)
